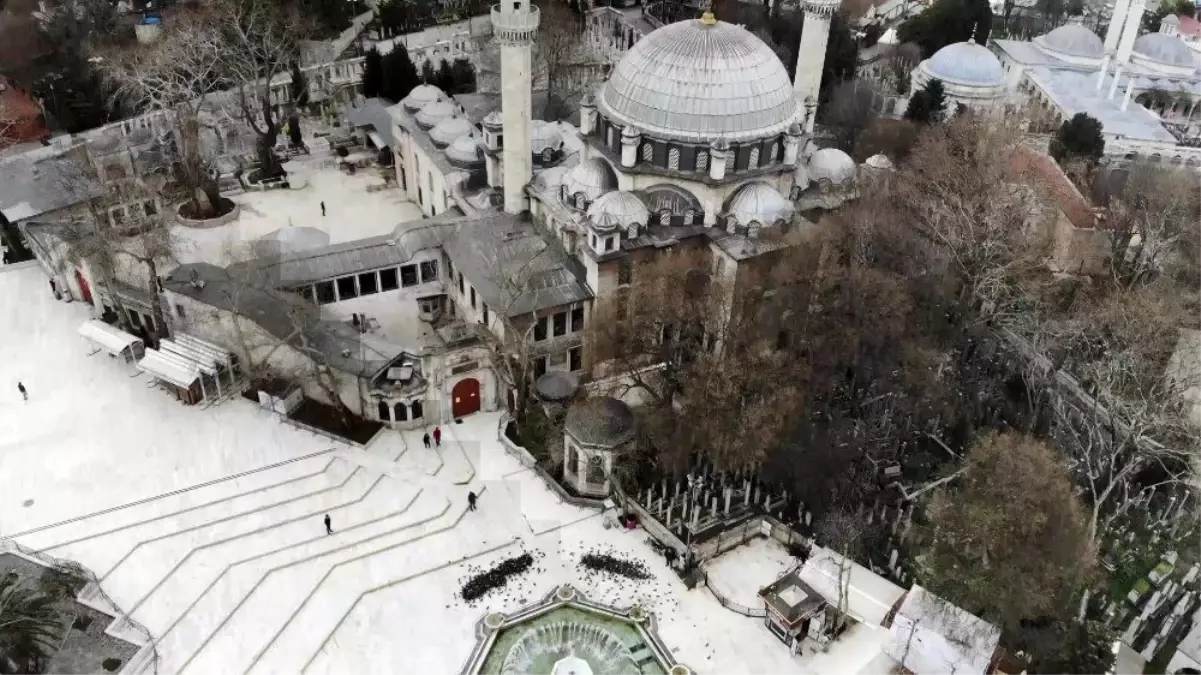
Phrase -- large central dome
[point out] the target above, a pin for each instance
(692, 81)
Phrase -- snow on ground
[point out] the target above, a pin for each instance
(91, 436)
(239, 575)
(740, 573)
(351, 213)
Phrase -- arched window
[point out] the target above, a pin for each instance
(795, 193)
(689, 216)
(648, 152)
(418, 410)
(753, 230)
(609, 137)
(563, 193)
(579, 200)
(665, 217)
(673, 159)
(401, 411)
(730, 162)
(702, 160)
(731, 224)
(547, 155)
(383, 412)
(632, 231)
(775, 152)
(754, 161)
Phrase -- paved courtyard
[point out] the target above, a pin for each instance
(204, 525)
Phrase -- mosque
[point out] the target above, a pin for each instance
(1144, 89)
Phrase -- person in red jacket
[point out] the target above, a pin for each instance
(438, 437)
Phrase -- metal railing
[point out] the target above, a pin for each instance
(147, 655)
(730, 604)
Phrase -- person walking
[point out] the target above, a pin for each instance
(471, 501)
(426, 438)
(328, 528)
(438, 436)
(21, 388)
(322, 209)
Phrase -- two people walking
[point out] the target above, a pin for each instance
(437, 438)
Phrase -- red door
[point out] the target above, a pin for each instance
(84, 289)
(465, 397)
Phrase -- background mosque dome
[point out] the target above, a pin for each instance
(967, 63)
(833, 165)
(591, 177)
(544, 135)
(446, 131)
(1164, 48)
(695, 82)
(879, 161)
(1073, 40)
(433, 113)
(620, 209)
(759, 203)
(421, 95)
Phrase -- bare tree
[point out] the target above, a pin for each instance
(1157, 214)
(571, 69)
(845, 533)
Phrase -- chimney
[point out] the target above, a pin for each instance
(1120, 9)
(1134, 20)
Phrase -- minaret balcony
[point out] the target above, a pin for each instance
(515, 26)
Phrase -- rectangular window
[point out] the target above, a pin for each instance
(473, 298)
(305, 292)
(609, 243)
(560, 324)
(577, 319)
(408, 275)
(429, 271)
(150, 207)
(539, 367)
(135, 319)
(625, 272)
(368, 284)
(325, 292)
(575, 357)
(485, 314)
(346, 289)
(450, 269)
(179, 312)
(388, 280)
(540, 329)
(460, 283)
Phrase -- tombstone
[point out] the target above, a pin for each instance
(808, 518)
(729, 492)
(892, 558)
(677, 489)
(713, 509)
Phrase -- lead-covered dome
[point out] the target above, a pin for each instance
(586, 181)
(831, 165)
(445, 132)
(1072, 40)
(433, 113)
(694, 81)
(759, 203)
(422, 95)
(1166, 49)
(618, 209)
(968, 63)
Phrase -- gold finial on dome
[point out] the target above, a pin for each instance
(707, 18)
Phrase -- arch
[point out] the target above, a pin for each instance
(400, 412)
(548, 154)
(465, 397)
(417, 410)
(580, 201)
(675, 200)
(384, 412)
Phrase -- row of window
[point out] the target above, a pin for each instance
(466, 289)
(560, 324)
(370, 283)
(573, 358)
(741, 157)
(400, 412)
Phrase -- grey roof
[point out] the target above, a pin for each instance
(286, 317)
(41, 181)
(515, 268)
(291, 270)
(373, 113)
(1165, 48)
(602, 421)
(967, 63)
(695, 82)
(760, 203)
(1076, 92)
(557, 385)
(380, 115)
(446, 131)
(1073, 40)
(478, 105)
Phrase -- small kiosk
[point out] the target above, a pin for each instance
(113, 340)
(794, 611)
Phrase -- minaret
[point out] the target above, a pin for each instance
(811, 56)
(1134, 21)
(1116, 21)
(514, 25)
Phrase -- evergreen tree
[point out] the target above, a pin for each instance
(300, 87)
(1079, 139)
(428, 74)
(928, 105)
(400, 75)
(946, 22)
(464, 76)
(373, 74)
(445, 79)
(294, 135)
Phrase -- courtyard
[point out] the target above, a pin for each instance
(204, 525)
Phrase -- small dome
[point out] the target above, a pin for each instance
(603, 421)
(691, 81)
(592, 177)
(494, 119)
(1073, 40)
(433, 113)
(422, 95)
(879, 161)
(549, 178)
(833, 165)
(759, 203)
(544, 135)
(1166, 49)
(967, 63)
(465, 150)
(445, 132)
(556, 386)
(618, 209)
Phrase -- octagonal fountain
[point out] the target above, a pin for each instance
(567, 634)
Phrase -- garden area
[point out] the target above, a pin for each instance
(44, 630)
(331, 420)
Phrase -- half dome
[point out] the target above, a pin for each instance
(695, 82)
(968, 63)
(618, 209)
(759, 203)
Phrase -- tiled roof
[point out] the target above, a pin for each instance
(1042, 173)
